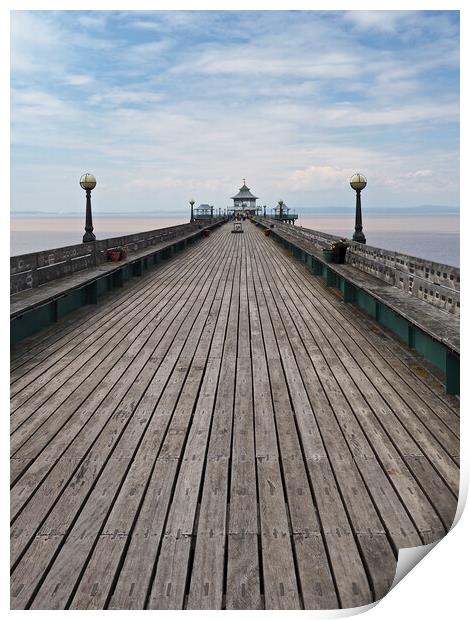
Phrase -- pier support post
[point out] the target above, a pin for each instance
(317, 267)
(137, 268)
(330, 278)
(349, 295)
(92, 292)
(452, 374)
(118, 278)
(378, 311)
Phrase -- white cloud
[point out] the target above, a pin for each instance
(94, 21)
(318, 176)
(35, 43)
(77, 79)
(383, 21)
(146, 52)
(117, 97)
(36, 103)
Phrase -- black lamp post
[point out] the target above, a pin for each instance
(358, 183)
(281, 204)
(191, 202)
(88, 182)
(212, 211)
(264, 209)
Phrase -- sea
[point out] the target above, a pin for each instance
(434, 237)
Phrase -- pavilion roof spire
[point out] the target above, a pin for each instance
(244, 192)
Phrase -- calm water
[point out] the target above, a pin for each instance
(435, 237)
(31, 234)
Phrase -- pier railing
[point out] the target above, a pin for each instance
(29, 271)
(433, 282)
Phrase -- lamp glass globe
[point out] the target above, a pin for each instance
(87, 181)
(358, 181)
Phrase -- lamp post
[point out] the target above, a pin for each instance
(212, 211)
(281, 204)
(358, 183)
(191, 202)
(88, 182)
(264, 209)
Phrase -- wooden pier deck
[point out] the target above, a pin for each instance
(224, 432)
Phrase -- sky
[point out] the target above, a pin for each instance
(165, 106)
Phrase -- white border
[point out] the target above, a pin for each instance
(437, 588)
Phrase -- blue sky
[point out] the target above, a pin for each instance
(165, 106)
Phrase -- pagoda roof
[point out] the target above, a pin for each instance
(244, 193)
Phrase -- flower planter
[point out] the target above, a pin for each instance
(114, 255)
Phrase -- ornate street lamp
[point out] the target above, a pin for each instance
(281, 204)
(191, 202)
(88, 182)
(358, 183)
(264, 208)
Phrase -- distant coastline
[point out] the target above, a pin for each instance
(330, 210)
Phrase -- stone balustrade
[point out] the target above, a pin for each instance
(435, 283)
(32, 270)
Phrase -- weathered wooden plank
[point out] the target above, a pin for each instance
(377, 406)
(126, 505)
(172, 449)
(207, 578)
(150, 329)
(150, 399)
(302, 513)
(180, 524)
(334, 512)
(243, 494)
(182, 515)
(78, 368)
(243, 572)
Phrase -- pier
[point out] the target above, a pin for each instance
(226, 421)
